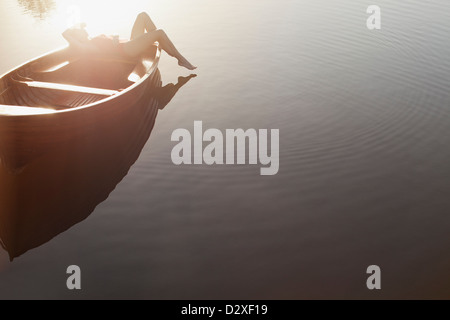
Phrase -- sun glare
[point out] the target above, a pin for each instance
(100, 16)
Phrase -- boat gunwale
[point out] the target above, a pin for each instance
(150, 71)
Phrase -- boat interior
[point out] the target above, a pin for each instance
(60, 81)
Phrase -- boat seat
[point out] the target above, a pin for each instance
(63, 87)
(21, 110)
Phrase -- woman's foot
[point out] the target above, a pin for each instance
(184, 63)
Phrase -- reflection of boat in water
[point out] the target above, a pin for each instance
(50, 99)
(64, 185)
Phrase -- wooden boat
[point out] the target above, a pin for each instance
(60, 95)
(64, 185)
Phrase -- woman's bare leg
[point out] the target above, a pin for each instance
(142, 24)
(142, 43)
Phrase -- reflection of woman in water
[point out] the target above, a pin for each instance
(143, 38)
(163, 95)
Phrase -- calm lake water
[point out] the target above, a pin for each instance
(364, 160)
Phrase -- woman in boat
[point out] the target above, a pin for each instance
(143, 37)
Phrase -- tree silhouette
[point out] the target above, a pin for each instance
(39, 9)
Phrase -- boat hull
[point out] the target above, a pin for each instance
(25, 137)
(64, 185)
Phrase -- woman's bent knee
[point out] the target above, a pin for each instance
(143, 15)
(160, 32)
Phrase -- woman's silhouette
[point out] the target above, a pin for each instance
(143, 37)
